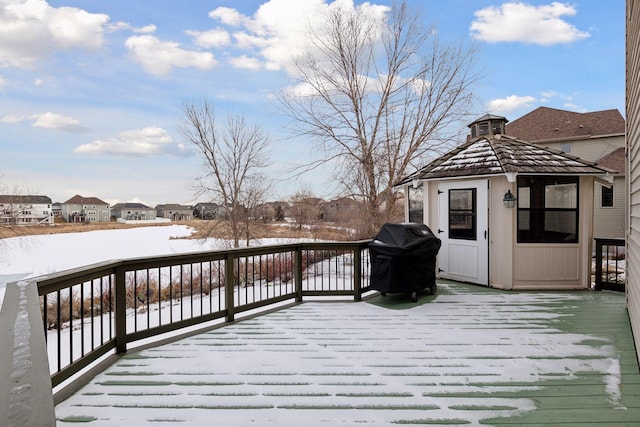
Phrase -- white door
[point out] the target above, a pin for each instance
(463, 229)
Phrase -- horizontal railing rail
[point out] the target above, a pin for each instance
(100, 309)
(610, 264)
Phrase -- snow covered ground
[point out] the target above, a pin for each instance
(30, 256)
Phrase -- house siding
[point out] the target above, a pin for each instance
(590, 149)
(633, 164)
(610, 222)
(25, 210)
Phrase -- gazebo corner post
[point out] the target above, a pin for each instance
(357, 274)
(297, 272)
(120, 309)
(229, 279)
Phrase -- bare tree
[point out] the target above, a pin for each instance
(305, 208)
(379, 95)
(233, 156)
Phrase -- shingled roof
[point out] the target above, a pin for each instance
(17, 199)
(501, 154)
(544, 124)
(80, 200)
(615, 160)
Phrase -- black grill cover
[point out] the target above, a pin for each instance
(403, 258)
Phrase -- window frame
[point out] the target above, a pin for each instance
(470, 233)
(604, 188)
(534, 216)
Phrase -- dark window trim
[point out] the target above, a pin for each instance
(609, 197)
(535, 214)
(464, 233)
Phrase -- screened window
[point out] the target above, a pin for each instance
(547, 209)
(462, 214)
(606, 197)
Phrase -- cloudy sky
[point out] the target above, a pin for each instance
(91, 91)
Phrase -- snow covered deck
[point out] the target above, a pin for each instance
(468, 356)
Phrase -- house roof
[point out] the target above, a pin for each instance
(544, 123)
(130, 206)
(14, 198)
(173, 206)
(615, 160)
(501, 154)
(80, 200)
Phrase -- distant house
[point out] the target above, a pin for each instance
(56, 209)
(208, 211)
(596, 137)
(341, 210)
(25, 210)
(174, 212)
(133, 212)
(79, 209)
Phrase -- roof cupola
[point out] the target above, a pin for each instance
(487, 126)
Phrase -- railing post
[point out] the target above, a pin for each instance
(229, 279)
(598, 273)
(357, 274)
(297, 272)
(121, 310)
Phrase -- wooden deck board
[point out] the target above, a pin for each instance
(468, 356)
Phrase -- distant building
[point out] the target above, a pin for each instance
(342, 210)
(79, 209)
(208, 211)
(174, 212)
(56, 209)
(133, 212)
(25, 210)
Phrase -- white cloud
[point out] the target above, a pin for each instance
(574, 107)
(227, 16)
(3, 82)
(11, 119)
(120, 26)
(149, 141)
(56, 121)
(38, 82)
(159, 57)
(278, 28)
(548, 95)
(510, 103)
(245, 62)
(522, 22)
(32, 30)
(212, 38)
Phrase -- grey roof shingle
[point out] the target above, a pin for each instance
(502, 154)
(13, 198)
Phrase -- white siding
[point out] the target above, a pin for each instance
(633, 166)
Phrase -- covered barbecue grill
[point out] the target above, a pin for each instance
(403, 259)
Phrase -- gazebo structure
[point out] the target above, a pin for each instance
(510, 214)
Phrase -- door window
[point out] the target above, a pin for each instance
(462, 214)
